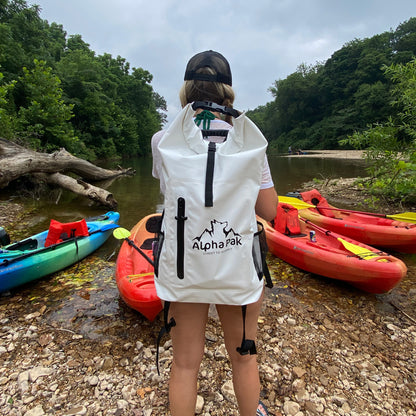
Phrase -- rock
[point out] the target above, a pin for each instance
(32, 316)
(291, 408)
(199, 404)
(106, 364)
(74, 411)
(221, 352)
(37, 372)
(374, 387)
(139, 345)
(93, 380)
(23, 381)
(36, 411)
(299, 372)
(227, 390)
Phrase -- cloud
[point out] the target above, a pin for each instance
(264, 40)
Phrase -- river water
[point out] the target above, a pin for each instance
(139, 195)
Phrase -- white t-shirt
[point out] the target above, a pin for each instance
(266, 182)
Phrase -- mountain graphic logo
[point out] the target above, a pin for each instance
(217, 237)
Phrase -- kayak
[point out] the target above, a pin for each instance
(62, 245)
(135, 274)
(372, 229)
(309, 247)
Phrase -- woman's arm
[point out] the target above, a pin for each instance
(266, 203)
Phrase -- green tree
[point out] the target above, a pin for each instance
(317, 106)
(43, 121)
(65, 95)
(24, 36)
(391, 146)
(6, 118)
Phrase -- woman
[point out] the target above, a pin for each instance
(208, 78)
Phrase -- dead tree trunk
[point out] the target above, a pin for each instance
(16, 161)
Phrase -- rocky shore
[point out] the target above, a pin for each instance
(69, 346)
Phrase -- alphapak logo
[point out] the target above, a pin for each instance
(218, 238)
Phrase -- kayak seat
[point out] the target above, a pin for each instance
(296, 235)
(153, 224)
(148, 244)
(28, 244)
(315, 198)
(4, 237)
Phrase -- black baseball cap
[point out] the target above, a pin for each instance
(213, 60)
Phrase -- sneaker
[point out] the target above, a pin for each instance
(261, 409)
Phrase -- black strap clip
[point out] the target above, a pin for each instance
(210, 106)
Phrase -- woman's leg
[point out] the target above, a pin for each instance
(188, 341)
(245, 370)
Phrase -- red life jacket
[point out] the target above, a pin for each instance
(58, 232)
(287, 219)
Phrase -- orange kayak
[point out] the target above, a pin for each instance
(319, 251)
(134, 274)
(376, 231)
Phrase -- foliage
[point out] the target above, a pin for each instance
(42, 120)
(318, 105)
(6, 121)
(390, 147)
(55, 92)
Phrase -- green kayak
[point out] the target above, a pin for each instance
(54, 249)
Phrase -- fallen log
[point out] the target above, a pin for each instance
(79, 187)
(16, 161)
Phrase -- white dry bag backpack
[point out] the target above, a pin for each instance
(209, 250)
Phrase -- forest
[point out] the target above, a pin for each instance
(55, 92)
(318, 105)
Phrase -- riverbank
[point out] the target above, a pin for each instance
(69, 346)
(334, 154)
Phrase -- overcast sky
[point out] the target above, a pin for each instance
(264, 40)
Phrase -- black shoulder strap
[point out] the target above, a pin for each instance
(248, 346)
(164, 330)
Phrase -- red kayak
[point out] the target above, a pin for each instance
(316, 250)
(134, 274)
(370, 229)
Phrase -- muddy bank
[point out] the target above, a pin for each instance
(69, 346)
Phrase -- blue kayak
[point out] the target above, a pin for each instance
(62, 245)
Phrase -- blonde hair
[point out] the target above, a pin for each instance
(217, 92)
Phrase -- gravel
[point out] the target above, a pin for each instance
(324, 348)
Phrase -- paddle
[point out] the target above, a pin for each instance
(299, 204)
(133, 277)
(6, 262)
(361, 252)
(123, 234)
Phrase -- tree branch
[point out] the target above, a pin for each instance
(16, 161)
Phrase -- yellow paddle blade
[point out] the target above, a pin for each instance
(359, 251)
(404, 216)
(295, 202)
(132, 277)
(121, 233)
